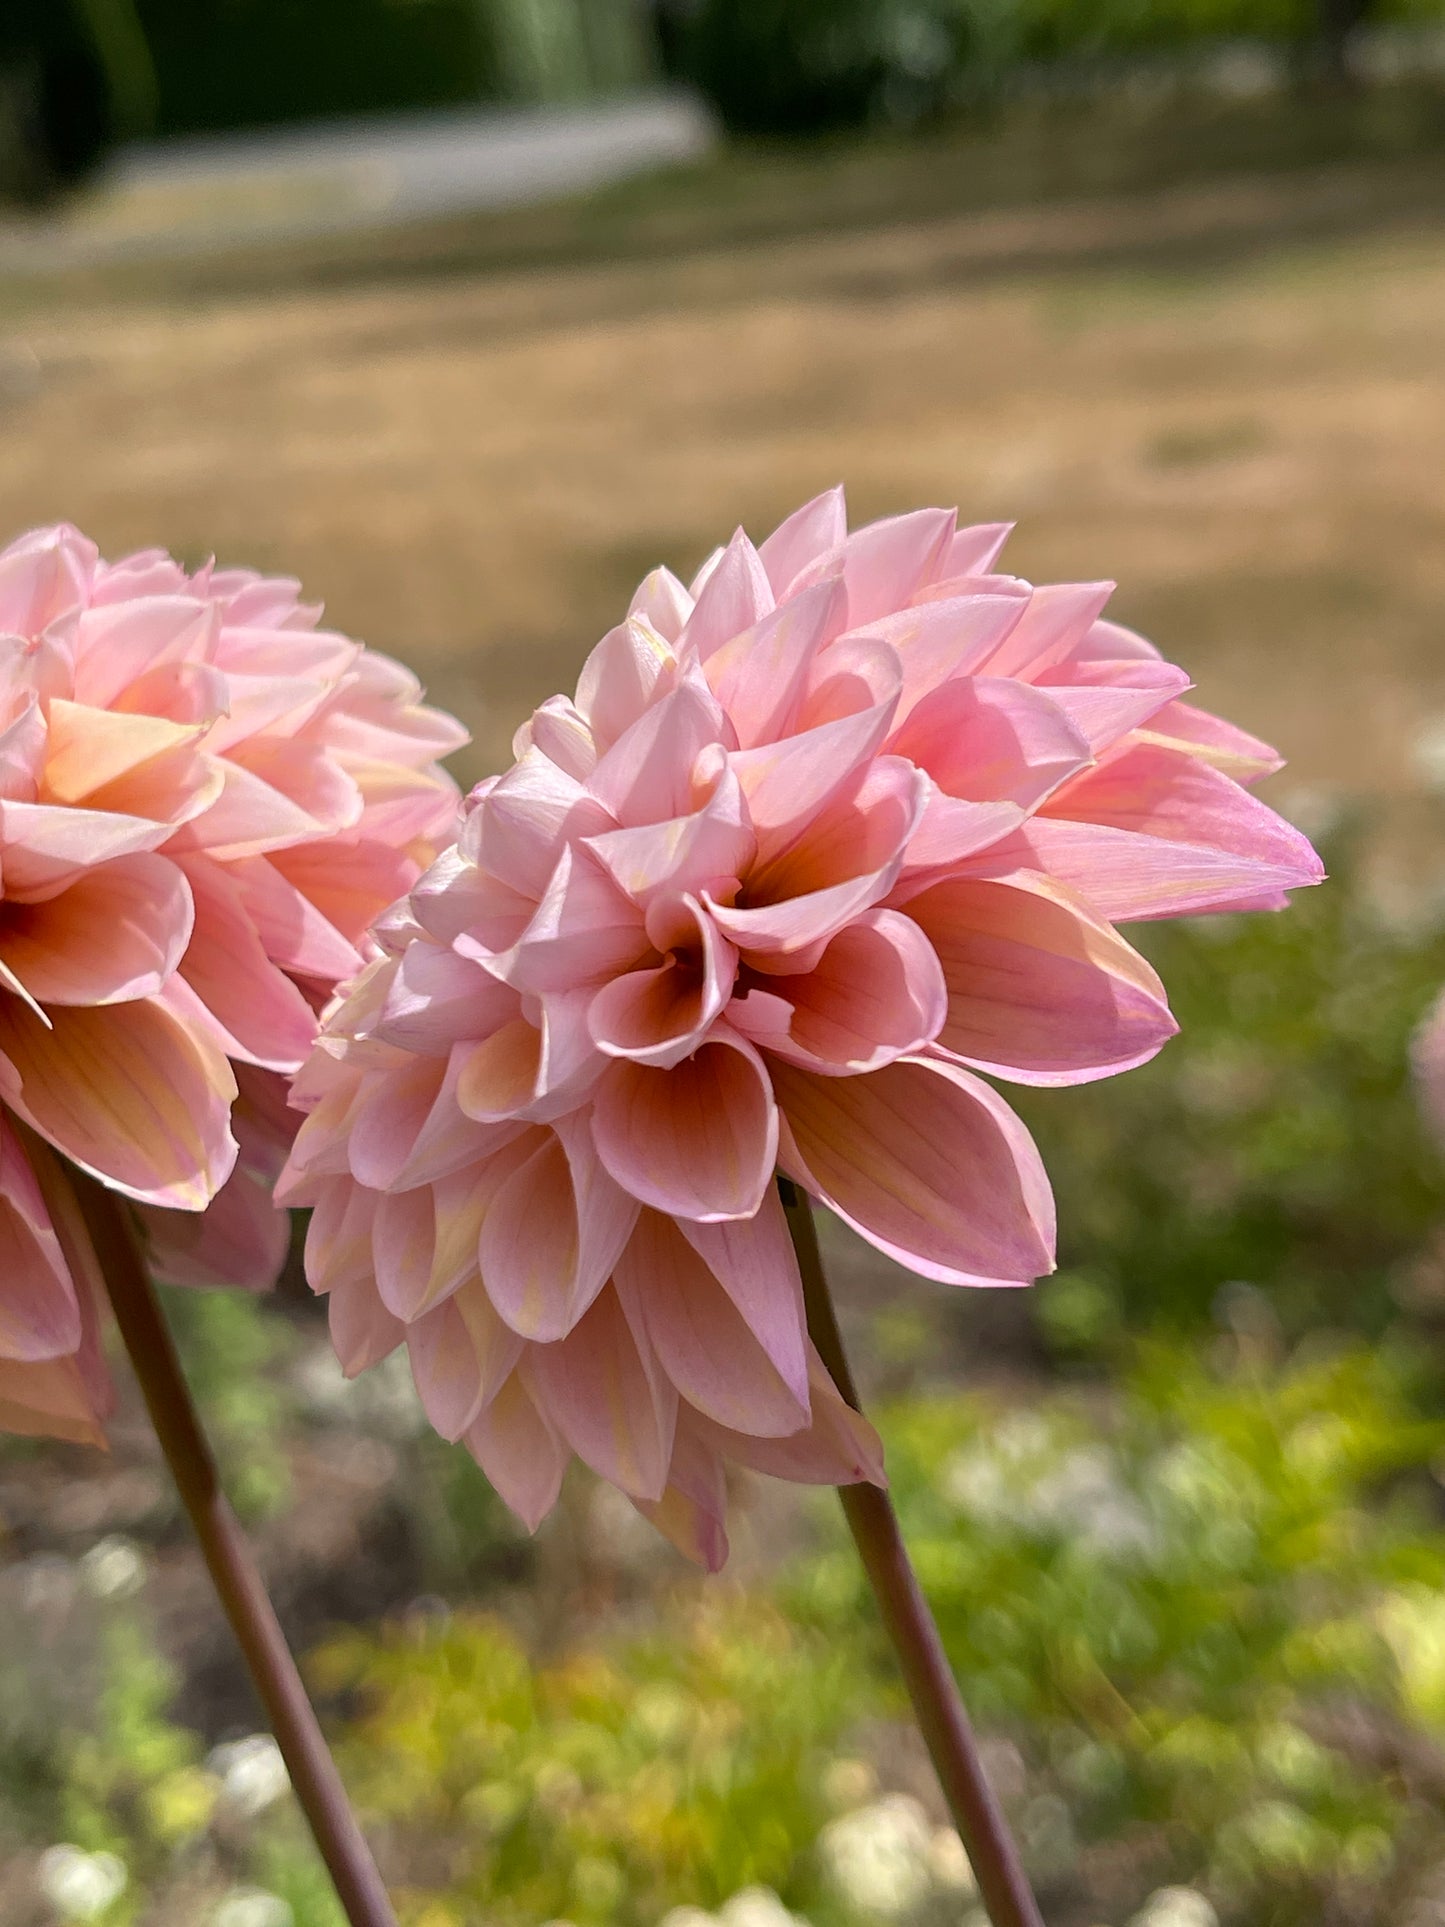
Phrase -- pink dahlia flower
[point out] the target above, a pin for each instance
(204, 800)
(818, 840)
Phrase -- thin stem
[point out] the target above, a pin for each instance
(910, 1625)
(99, 1241)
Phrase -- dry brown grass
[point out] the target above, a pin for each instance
(473, 471)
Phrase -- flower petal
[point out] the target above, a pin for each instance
(698, 1139)
(609, 1398)
(115, 933)
(39, 1311)
(927, 1163)
(552, 1234)
(520, 1451)
(132, 1095)
(875, 993)
(702, 1341)
(1040, 989)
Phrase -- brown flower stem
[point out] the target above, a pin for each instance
(910, 1625)
(98, 1238)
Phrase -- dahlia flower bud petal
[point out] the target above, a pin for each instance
(454, 899)
(886, 563)
(44, 575)
(701, 1340)
(661, 1015)
(662, 601)
(876, 993)
(117, 643)
(837, 1446)
(389, 1118)
(363, 1332)
(349, 882)
(985, 739)
(1040, 989)
(561, 732)
(754, 1262)
(516, 829)
(699, 1140)
(552, 1234)
(816, 529)
(1126, 696)
(631, 668)
(849, 861)
(1224, 747)
(605, 1392)
(39, 1312)
(338, 1238)
(647, 775)
(1056, 622)
(262, 1016)
(707, 849)
(926, 1162)
(134, 1096)
(520, 1452)
(949, 832)
(584, 929)
(788, 784)
(760, 676)
(857, 672)
(134, 765)
(937, 640)
(735, 595)
(293, 931)
(692, 1511)
(115, 935)
(44, 846)
(974, 551)
(438, 998)
(461, 1355)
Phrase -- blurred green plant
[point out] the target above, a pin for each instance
(1276, 1143)
(605, 1786)
(795, 67)
(1210, 1611)
(234, 1349)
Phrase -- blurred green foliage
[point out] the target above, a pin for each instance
(798, 66)
(603, 1786)
(1211, 1609)
(1275, 1143)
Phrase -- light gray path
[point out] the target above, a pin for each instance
(204, 196)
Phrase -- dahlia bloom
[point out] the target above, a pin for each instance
(204, 800)
(819, 839)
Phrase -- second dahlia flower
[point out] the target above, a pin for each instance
(204, 800)
(821, 843)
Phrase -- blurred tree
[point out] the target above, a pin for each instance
(75, 76)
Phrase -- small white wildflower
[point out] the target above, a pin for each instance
(756, 1907)
(113, 1569)
(687, 1917)
(948, 1862)
(878, 1857)
(1176, 1907)
(253, 1907)
(80, 1886)
(252, 1773)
